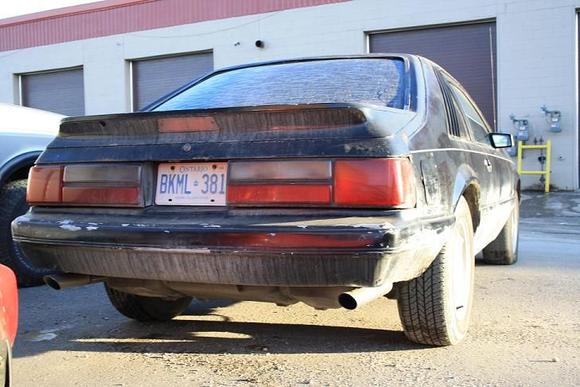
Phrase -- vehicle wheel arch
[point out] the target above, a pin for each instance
(17, 168)
(467, 186)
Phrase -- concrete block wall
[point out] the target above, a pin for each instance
(536, 49)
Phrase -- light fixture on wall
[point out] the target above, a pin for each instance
(259, 43)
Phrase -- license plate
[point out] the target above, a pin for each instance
(191, 184)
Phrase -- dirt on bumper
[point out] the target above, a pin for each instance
(282, 250)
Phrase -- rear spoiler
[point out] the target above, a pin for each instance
(329, 130)
(223, 123)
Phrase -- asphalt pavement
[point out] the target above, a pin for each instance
(525, 331)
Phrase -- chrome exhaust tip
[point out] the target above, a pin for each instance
(360, 296)
(64, 281)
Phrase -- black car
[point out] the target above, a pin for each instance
(330, 181)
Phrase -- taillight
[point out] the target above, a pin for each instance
(280, 182)
(44, 185)
(90, 185)
(280, 170)
(374, 182)
(280, 194)
(370, 183)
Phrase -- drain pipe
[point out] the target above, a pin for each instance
(63, 281)
(360, 296)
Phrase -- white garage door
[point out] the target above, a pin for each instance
(154, 78)
(467, 51)
(59, 91)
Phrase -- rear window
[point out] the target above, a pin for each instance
(378, 82)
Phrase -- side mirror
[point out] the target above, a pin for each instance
(501, 140)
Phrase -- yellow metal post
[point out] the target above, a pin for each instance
(520, 148)
(548, 166)
(547, 171)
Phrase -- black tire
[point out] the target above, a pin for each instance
(504, 249)
(435, 308)
(12, 205)
(142, 308)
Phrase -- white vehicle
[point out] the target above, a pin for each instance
(24, 133)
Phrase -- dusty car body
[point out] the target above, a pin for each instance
(24, 133)
(331, 181)
(8, 321)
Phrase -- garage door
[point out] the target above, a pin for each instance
(60, 91)
(154, 78)
(467, 51)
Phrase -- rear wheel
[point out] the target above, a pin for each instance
(12, 205)
(435, 308)
(146, 308)
(504, 249)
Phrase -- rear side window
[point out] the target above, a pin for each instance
(474, 120)
(378, 82)
(455, 124)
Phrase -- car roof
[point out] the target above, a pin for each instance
(22, 119)
(319, 58)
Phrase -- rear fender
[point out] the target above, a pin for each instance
(16, 165)
(466, 184)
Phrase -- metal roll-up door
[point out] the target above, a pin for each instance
(154, 78)
(466, 51)
(60, 91)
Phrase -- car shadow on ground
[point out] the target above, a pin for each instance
(202, 330)
(191, 335)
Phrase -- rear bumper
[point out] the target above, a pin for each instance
(239, 249)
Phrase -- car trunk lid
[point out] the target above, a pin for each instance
(330, 130)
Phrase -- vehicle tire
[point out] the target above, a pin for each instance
(435, 308)
(12, 205)
(142, 308)
(504, 249)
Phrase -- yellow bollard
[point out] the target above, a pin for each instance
(548, 166)
(547, 172)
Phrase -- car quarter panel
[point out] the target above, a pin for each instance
(449, 164)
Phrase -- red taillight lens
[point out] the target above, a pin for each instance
(374, 182)
(279, 194)
(85, 184)
(288, 182)
(386, 183)
(44, 185)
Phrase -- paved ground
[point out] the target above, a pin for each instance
(525, 331)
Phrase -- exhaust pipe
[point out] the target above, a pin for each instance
(64, 281)
(360, 296)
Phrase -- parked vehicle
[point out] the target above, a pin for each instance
(331, 181)
(8, 321)
(24, 133)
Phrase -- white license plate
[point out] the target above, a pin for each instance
(191, 184)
